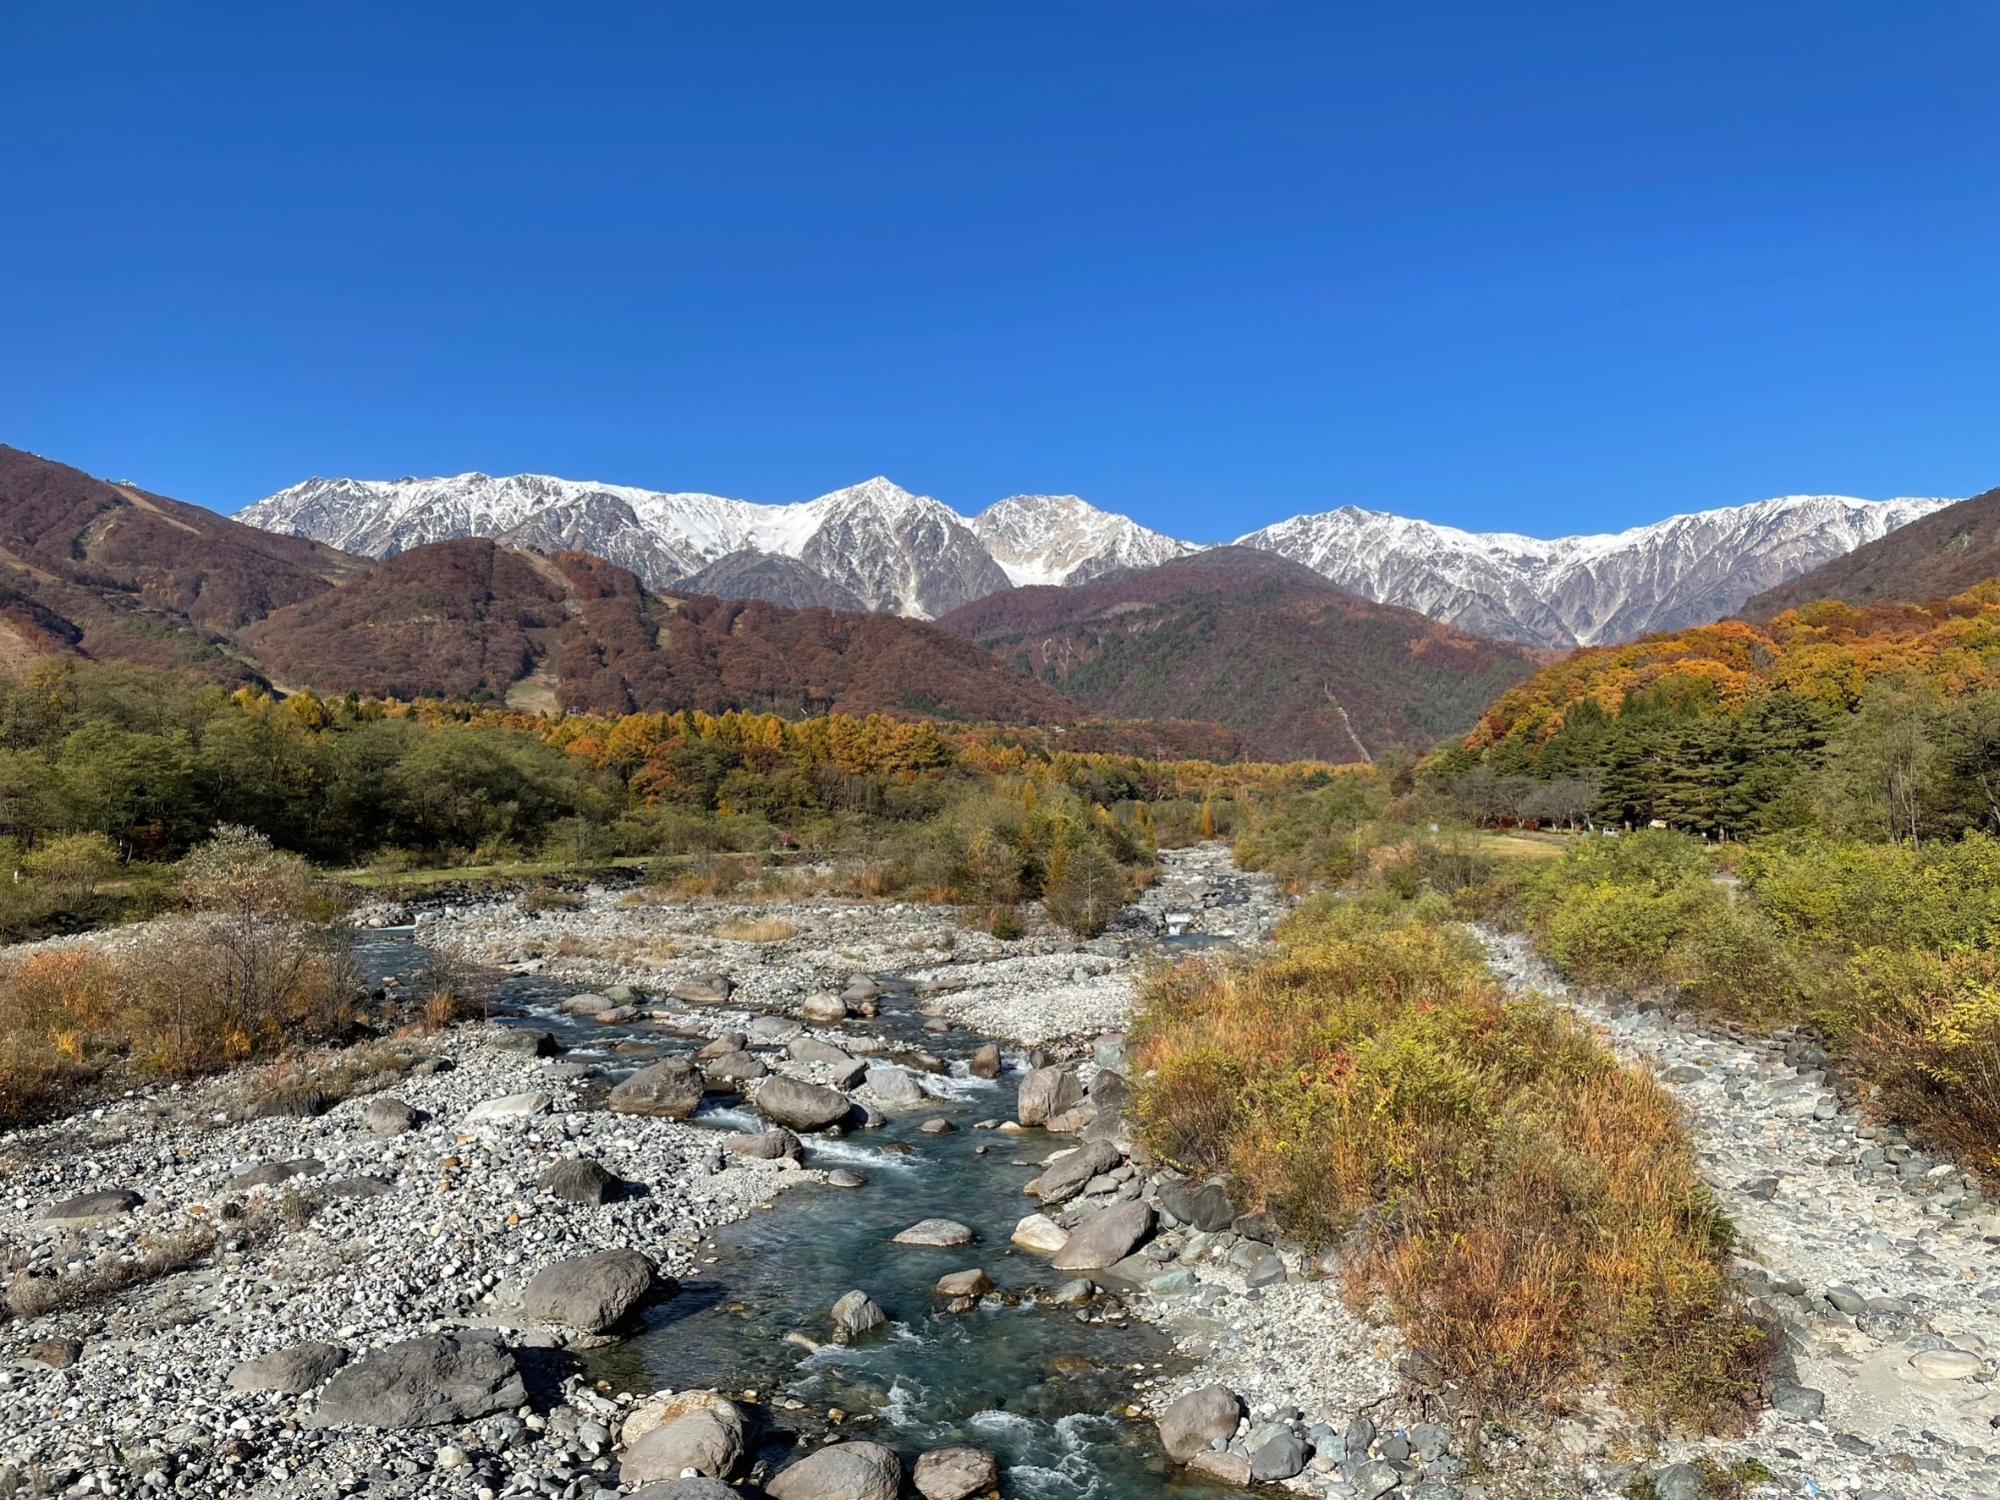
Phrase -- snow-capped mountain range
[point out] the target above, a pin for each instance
(892, 550)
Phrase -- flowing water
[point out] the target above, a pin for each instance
(1035, 1383)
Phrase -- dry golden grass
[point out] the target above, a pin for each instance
(756, 930)
(1529, 1208)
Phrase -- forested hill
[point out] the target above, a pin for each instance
(1871, 719)
(1265, 645)
(113, 571)
(1945, 553)
(473, 619)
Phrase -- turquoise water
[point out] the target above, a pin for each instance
(1027, 1380)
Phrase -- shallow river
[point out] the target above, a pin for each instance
(1032, 1383)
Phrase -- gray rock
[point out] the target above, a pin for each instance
(1105, 1238)
(935, 1234)
(842, 1471)
(799, 1105)
(700, 1430)
(765, 1145)
(1278, 1457)
(1065, 1179)
(98, 1205)
(1375, 1479)
(774, 1029)
(580, 1180)
(896, 1085)
(1072, 1293)
(1204, 1205)
(1267, 1269)
(840, 1177)
(856, 1314)
(984, 1061)
(1195, 1420)
(423, 1382)
(703, 989)
(1047, 1093)
(1847, 1299)
(973, 1283)
(824, 1009)
(956, 1473)
(1224, 1466)
(810, 1049)
(290, 1371)
(1797, 1400)
(722, 1046)
(388, 1115)
(696, 1487)
(588, 1292)
(733, 1069)
(670, 1089)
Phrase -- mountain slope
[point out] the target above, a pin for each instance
(886, 547)
(1065, 539)
(1585, 590)
(472, 619)
(1944, 553)
(113, 571)
(892, 550)
(1253, 641)
(769, 576)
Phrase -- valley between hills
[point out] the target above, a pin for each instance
(485, 1020)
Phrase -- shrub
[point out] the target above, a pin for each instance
(1083, 888)
(1529, 1208)
(756, 930)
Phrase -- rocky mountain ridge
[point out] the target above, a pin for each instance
(899, 552)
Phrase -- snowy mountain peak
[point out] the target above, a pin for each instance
(1585, 590)
(892, 549)
(1045, 539)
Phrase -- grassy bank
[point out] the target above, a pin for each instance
(1890, 951)
(1528, 1207)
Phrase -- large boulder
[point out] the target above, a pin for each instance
(984, 1061)
(1105, 1238)
(842, 1471)
(670, 1089)
(290, 1372)
(1066, 1177)
(1195, 1420)
(810, 1049)
(935, 1234)
(893, 1085)
(703, 989)
(589, 1292)
(98, 1205)
(388, 1115)
(697, 1430)
(856, 1314)
(1047, 1093)
(1203, 1205)
(1040, 1233)
(727, 1074)
(801, 1106)
(423, 1382)
(824, 1009)
(578, 1179)
(956, 1474)
(694, 1487)
(765, 1145)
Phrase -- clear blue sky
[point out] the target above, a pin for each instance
(1546, 267)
